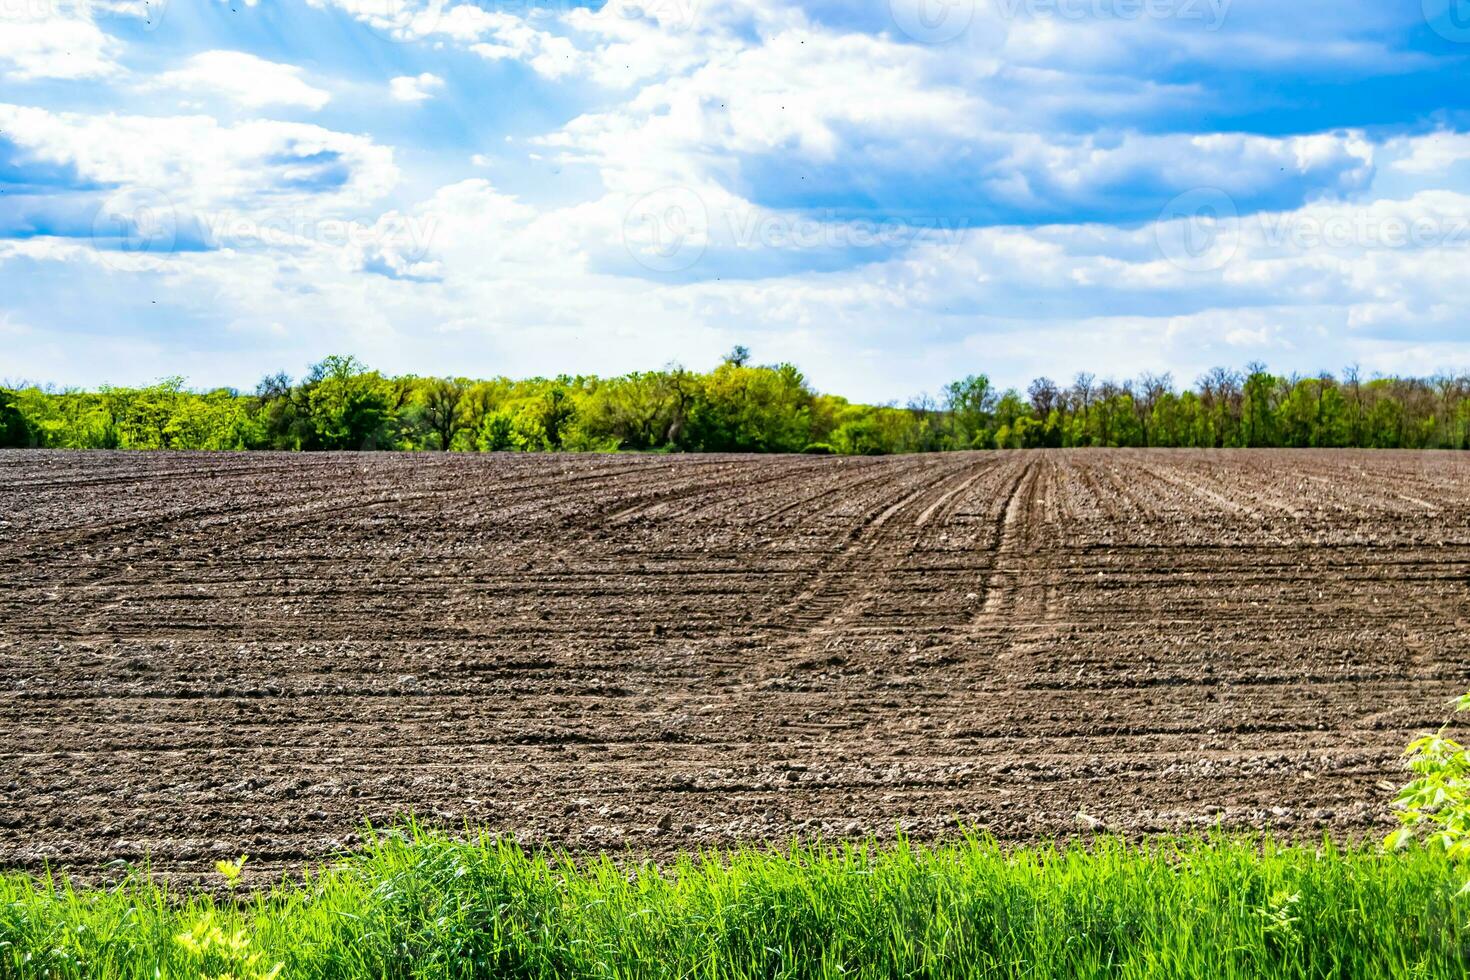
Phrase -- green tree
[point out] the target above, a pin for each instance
(969, 405)
(556, 411)
(1259, 419)
(15, 431)
(443, 402)
(753, 409)
(282, 414)
(349, 404)
(739, 407)
(497, 433)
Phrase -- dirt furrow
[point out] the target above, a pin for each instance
(207, 654)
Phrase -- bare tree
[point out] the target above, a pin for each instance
(1352, 380)
(1082, 388)
(926, 416)
(443, 402)
(1044, 396)
(683, 387)
(274, 386)
(1151, 390)
(1221, 391)
(1108, 391)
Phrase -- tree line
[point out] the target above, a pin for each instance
(340, 404)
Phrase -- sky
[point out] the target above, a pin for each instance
(889, 193)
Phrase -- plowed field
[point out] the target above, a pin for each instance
(203, 654)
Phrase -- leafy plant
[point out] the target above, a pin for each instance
(1435, 806)
(231, 870)
(215, 951)
(213, 954)
(1280, 919)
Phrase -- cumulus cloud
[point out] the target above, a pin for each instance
(807, 177)
(510, 279)
(198, 159)
(414, 88)
(41, 40)
(1429, 155)
(245, 80)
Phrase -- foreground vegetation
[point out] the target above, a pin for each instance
(740, 407)
(421, 905)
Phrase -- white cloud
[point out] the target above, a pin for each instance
(42, 40)
(400, 19)
(1430, 155)
(737, 102)
(245, 80)
(513, 284)
(414, 88)
(201, 164)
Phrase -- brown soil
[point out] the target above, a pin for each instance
(208, 654)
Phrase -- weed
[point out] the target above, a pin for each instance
(418, 904)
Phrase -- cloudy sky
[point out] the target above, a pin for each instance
(890, 193)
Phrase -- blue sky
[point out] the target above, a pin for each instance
(891, 193)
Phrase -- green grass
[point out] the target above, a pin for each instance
(421, 905)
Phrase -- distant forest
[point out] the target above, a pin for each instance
(740, 407)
